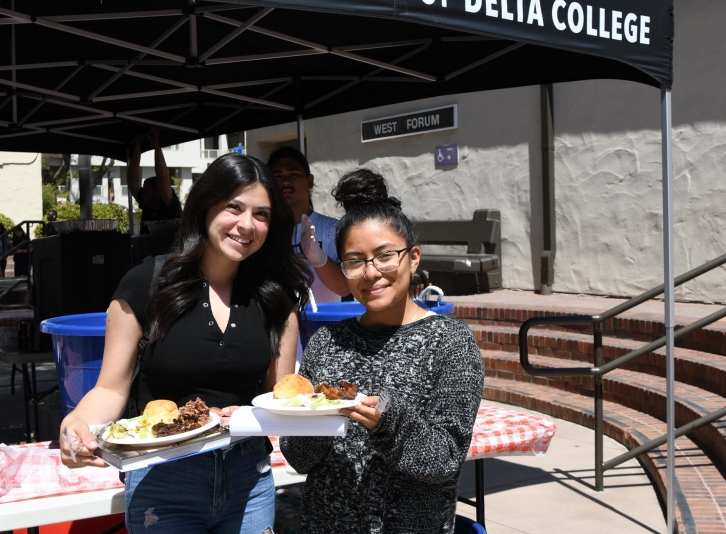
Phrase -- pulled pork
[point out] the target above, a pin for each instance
(342, 390)
(192, 415)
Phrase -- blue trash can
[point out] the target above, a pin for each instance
(78, 342)
(332, 312)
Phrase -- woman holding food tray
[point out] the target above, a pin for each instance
(222, 325)
(397, 470)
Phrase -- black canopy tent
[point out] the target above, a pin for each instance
(89, 76)
(86, 77)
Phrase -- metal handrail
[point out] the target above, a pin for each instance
(27, 233)
(610, 366)
(601, 368)
(8, 290)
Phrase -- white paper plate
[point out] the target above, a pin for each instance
(273, 405)
(166, 440)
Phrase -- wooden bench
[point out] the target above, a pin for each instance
(477, 270)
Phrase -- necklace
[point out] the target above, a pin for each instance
(362, 318)
(415, 315)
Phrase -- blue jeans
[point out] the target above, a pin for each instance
(219, 492)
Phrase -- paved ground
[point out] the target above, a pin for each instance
(554, 494)
(12, 419)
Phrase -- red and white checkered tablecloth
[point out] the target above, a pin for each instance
(497, 431)
(500, 431)
(34, 470)
(11, 317)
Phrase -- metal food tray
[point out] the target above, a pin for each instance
(91, 225)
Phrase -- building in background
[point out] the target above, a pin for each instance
(21, 186)
(607, 147)
(186, 161)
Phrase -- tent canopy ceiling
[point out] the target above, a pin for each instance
(86, 77)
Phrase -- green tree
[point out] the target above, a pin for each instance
(176, 183)
(49, 199)
(60, 175)
(6, 221)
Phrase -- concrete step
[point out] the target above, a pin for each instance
(643, 323)
(700, 488)
(702, 369)
(637, 391)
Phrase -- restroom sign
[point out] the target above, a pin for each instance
(419, 122)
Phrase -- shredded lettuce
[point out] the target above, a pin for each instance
(137, 427)
(312, 401)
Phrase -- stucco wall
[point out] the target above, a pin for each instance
(21, 186)
(608, 169)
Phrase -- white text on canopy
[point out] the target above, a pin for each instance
(575, 17)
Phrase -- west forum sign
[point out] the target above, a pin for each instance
(426, 121)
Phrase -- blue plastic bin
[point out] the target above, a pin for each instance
(78, 342)
(332, 312)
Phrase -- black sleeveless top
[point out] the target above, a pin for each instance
(195, 358)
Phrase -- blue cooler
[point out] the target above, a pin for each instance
(332, 312)
(78, 342)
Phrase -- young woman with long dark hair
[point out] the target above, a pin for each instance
(397, 469)
(222, 327)
(21, 257)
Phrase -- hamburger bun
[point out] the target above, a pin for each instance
(161, 411)
(292, 385)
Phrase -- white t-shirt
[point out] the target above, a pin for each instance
(325, 234)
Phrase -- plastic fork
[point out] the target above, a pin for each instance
(74, 444)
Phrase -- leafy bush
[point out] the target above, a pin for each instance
(7, 222)
(69, 212)
(72, 212)
(49, 199)
(113, 211)
(176, 184)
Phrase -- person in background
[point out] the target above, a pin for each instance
(21, 257)
(222, 327)
(4, 247)
(314, 235)
(397, 469)
(157, 199)
(49, 229)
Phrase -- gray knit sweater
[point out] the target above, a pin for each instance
(402, 476)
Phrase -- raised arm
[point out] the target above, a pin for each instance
(163, 181)
(326, 268)
(133, 170)
(108, 399)
(333, 278)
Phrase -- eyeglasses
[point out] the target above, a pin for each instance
(385, 262)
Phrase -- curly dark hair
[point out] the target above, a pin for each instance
(364, 196)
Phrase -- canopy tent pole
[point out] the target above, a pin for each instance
(12, 61)
(301, 133)
(85, 184)
(130, 200)
(668, 284)
(547, 260)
